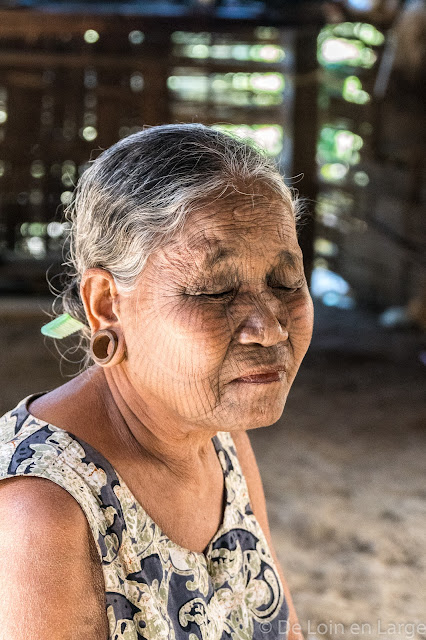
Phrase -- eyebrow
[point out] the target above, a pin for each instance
(220, 253)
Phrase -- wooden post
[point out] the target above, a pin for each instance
(305, 133)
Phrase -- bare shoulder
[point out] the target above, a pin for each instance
(247, 460)
(48, 568)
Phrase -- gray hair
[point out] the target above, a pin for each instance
(138, 193)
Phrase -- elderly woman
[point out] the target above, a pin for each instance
(131, 503)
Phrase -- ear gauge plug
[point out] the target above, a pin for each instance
(107, 348)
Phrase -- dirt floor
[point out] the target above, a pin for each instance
(343, 469)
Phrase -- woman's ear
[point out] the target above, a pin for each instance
(98, 292)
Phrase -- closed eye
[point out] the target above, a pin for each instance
(222, 294)
(291, 289)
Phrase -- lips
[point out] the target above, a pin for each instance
(259, 378)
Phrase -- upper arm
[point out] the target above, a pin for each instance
(50, 587)
(251, 473)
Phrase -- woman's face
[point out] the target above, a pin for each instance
(227, 299)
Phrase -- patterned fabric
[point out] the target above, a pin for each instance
(156, 589)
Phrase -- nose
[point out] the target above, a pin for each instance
(261, 325)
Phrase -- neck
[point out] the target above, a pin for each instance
(146, 431)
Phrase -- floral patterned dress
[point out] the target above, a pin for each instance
(154, 588)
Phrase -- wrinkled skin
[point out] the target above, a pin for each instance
(184, 350)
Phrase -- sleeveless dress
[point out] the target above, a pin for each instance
(154, 588)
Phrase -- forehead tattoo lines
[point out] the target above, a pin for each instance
(219, 253)
(207, 251)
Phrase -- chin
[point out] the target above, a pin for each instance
(258, 414)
